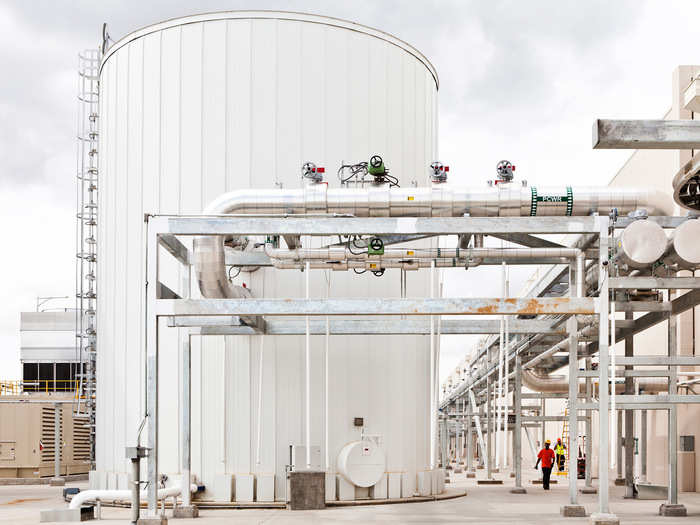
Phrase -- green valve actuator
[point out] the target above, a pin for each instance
(376, 166)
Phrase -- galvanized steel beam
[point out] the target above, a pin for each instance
(646, 134)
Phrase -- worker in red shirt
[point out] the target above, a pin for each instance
(546, 455)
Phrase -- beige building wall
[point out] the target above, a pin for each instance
(655, 169)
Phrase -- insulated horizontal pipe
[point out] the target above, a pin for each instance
(502, 200)
(560, 384)
(113, 495)
(343, 253)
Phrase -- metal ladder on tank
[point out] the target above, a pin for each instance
(86, 239)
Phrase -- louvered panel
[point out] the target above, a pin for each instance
(81, 440)
(47, 434)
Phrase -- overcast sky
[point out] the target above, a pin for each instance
(519, 79)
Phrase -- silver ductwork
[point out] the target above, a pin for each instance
(640, 244)
(500, 200)
(560, 384)
(684, 246)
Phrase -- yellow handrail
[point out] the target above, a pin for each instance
(15, 387)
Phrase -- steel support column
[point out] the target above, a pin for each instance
(152, 369)
(603, 378)
(186, 425)
(588, 484)
(629, 419)
(518, 431)
(672, 414)
(573, 411)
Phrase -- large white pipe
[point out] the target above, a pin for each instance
(501, 200)
(260, 396)
(113, 495)
(613, 411)
(307, 362)
(433, 400)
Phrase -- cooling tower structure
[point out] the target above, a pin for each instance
(195, 107)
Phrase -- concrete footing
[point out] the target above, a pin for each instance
(620, 482)
(185, 511)
(57, 482)
(589, 490)
(307, 489)
(489, 482)
(518, 490)
(156, 520)
(598, 518)
(67, 515)
(573, 511)
(672, 510)
(471, 474)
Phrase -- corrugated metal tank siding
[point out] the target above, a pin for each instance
(195, 110)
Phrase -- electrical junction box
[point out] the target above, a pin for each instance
(359, 422)
(298, 457)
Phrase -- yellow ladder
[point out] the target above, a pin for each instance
(565, 441)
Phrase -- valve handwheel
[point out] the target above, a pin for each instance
(376, 244)
(375, 161)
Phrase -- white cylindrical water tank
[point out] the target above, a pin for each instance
(684, 245)
(197, 106)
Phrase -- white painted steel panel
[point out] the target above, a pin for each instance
(194, 107)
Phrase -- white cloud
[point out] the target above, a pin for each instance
(519, 80)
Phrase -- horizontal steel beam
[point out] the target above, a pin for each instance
(642, 306)
(530, 241)
(227, 325)
(664, 222)
(660, 360)
(544, 418)
(328, 225)
(377, 306)
(683, 283)
(651, 399)
(627, 373)
(646, 134)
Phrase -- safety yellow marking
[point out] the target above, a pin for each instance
(372, 266)
(410, 197)
(409, 252)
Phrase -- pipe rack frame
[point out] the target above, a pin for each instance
(164, 230)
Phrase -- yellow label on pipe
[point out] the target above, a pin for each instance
(410, 197)
(372, 266)
(409, 252)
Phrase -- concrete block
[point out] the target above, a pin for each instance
(440, 475)
(111, 481)
(408, 485)
(223, 487)
(589, 490)
(379, 490)
(57, 482)
(394, 485)
(330, 486)
(245, 488)
(362, 493)
(518, 490)
(424, 482)
(573, 511)
(598, 518)
(673, 510)
(185, 511)
(84, 513)
(158, 520)
(491, 481)
(265, 487)
(345, 489)
(307, 489)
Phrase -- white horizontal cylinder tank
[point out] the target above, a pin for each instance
(641, 244)
(197, 106)
(362, 463)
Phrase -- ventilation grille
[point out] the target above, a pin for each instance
(81, 440)
(47, 434)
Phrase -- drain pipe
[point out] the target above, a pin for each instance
(114, 495)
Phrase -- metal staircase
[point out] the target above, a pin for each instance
(86, 237)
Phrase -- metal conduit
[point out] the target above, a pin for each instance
(502, 200)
